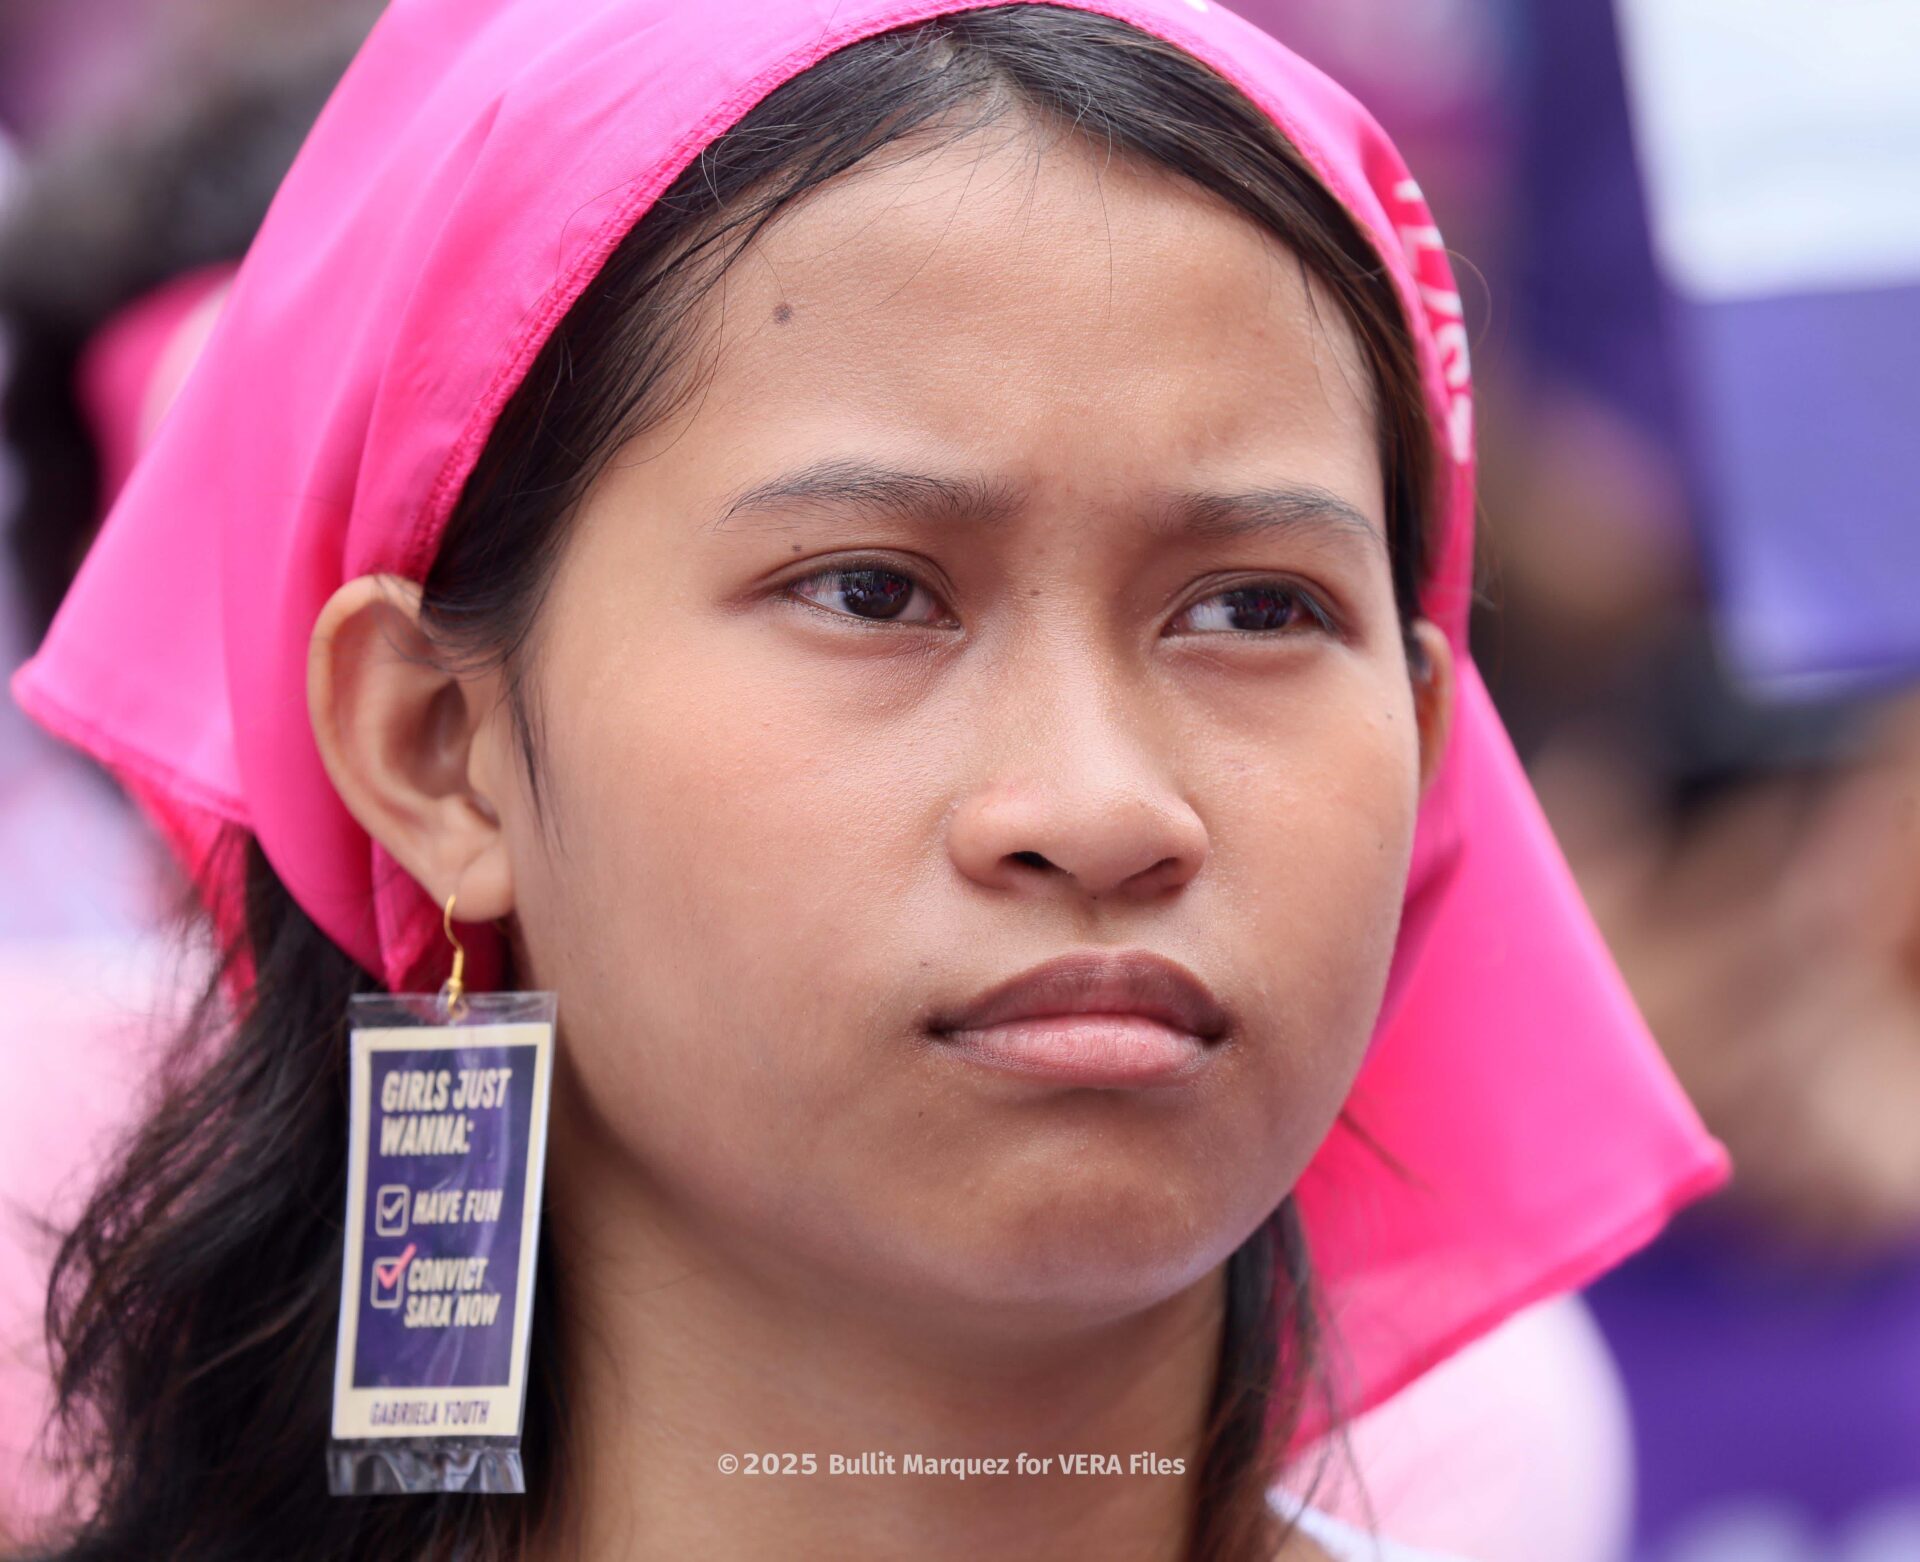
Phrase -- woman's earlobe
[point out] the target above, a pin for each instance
(1431, 665)
(396, 730)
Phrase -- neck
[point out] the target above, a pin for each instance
(679, 1357)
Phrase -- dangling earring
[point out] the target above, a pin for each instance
(453, 999)
(446, 1154)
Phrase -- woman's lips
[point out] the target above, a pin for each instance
(1097, 1017)
(1114, 1051)
(1116, 1018)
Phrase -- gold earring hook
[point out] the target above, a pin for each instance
(454, 989)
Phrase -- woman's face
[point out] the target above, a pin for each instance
(1014, 586)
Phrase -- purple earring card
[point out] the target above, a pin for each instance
(446, 1153)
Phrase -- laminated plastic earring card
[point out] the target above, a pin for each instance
(447, 1138)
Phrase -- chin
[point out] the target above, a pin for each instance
(1080, 1244)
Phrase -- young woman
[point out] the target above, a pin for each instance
(910, 563)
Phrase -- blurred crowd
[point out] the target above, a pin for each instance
(1736, 781)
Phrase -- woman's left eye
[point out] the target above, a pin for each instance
(1265, 607)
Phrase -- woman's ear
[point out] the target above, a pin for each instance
(398, 734)
(1431, 662)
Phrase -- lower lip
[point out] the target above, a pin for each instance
(1114, 1051)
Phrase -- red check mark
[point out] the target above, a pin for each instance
(387, 1271)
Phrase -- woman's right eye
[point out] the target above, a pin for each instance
(873, 592)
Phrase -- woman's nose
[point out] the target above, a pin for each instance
(1077, 789)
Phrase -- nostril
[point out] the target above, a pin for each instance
(1032, 859)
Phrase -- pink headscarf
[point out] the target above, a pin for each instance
(479, 162)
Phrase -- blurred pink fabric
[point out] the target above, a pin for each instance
(476, 166)
(136, 363)
(1517, 1449)
(80, 1022)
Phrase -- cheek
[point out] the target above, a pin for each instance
(727, 878)
(1312, 841)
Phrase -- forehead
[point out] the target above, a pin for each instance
(1021, 291)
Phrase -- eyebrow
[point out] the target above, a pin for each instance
(1291, 508)
(864, 488)
(843, 486)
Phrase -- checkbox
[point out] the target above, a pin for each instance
(389, 1275)
(390, 1210)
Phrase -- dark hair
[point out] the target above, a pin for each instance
(196, 1409)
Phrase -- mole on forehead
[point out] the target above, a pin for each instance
(782, 312)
